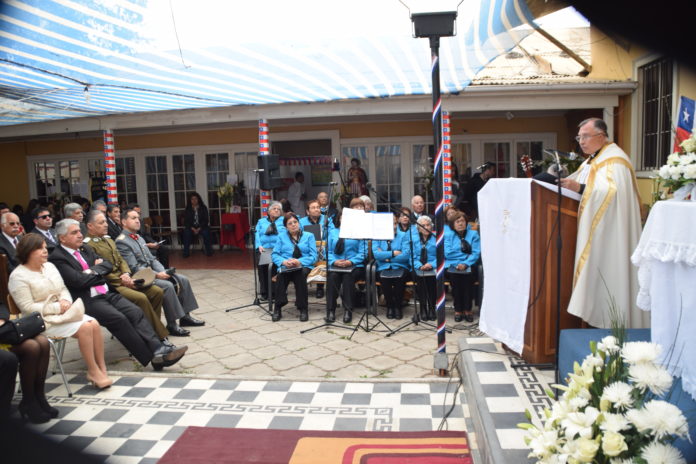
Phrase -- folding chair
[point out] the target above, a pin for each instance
(57, 345)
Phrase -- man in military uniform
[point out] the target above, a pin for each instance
(149, 299)
(177, 305)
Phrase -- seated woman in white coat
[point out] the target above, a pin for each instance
(36, 285)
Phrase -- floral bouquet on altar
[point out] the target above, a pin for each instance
(679, 174)
(226, 195)
(609, 412)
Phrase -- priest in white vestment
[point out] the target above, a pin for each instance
(609, 229)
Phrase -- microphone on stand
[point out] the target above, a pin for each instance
(572, 156)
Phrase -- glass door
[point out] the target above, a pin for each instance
(217, 168)
(499, 153)
(388, 177)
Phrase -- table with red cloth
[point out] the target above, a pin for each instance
(233, 228)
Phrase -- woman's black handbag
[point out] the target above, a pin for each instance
(15, 331)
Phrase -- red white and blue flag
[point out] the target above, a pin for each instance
(685, 126)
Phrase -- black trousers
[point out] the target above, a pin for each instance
(462, 290)
(343, 282)
(8, 374)
(126, 322)
(392, 289)
(263, 277)
(425, 289)
(280, 291)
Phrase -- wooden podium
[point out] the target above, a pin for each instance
(540, 328)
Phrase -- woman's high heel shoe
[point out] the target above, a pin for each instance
(47, 408)
(33, 412)
(100, 384)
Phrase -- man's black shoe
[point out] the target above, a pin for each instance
(347, 316)
(320, 292)
(190, 321)
(330, 315)
(177, 331)
(303, 315)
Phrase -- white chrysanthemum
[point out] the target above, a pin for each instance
(622, 461)
(675, 173)
(577, 403)
(658, 453)
(640, 352)
(613, 422)
(580, 423)
(651, 376)
(673, 158)
(689, 145)
(690, 171)
(659, 418)
(592, 363)
(618, 394)
(609, 344)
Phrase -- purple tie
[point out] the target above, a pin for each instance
(101, 289)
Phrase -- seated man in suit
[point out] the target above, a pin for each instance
(9, 238)
(113, 219)
(83, 273)
(148, 299)
(133, 249)
(43, 223)
(159, 250)
(75, 211)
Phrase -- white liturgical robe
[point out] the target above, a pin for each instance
(608, 232)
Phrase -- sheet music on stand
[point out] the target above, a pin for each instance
(357, 224)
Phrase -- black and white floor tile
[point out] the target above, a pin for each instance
(140, 417)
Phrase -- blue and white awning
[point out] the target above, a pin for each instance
(75, 58)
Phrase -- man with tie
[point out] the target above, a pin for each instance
(83, 274)
(43, 223)
(136, 253)
(9, 238)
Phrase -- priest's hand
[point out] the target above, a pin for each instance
(570, 184)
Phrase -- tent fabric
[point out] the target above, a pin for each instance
(76, 58)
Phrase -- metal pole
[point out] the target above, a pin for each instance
(440, 363)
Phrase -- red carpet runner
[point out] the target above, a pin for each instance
(224, 445)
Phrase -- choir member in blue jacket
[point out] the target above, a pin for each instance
(345, 254)
(425, 260)
(267, 230)
(294, 255)
(314, 217)
(392, 257)
(462, 251)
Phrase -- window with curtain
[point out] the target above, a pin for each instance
(184, 174)
(70, 179)
(217, 168)
(499, 153)
(126, 180)
(388, 177)
(656, 97)
(45, 178)
(158, 191)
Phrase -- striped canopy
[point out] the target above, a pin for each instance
(76, 58)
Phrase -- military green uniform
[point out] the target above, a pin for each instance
(149, 299)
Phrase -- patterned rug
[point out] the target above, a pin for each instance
(267, 446)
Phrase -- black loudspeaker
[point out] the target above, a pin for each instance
(269, 178)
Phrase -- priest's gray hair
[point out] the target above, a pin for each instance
(70, 209)
(63, 226)
(598, 124)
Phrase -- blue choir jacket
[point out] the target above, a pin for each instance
(304, 221)
(430, 246)
(385, 258)
(284, 248)
(453, 249)
(268, 241)
(354, 250)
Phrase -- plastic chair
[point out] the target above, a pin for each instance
(57, 345)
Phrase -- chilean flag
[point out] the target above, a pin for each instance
(685, 126)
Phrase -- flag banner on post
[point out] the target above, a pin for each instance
(685, 124)
(110, 168)
(264, 150)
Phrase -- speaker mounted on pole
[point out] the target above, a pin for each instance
(269, 177)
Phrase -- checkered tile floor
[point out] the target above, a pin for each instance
(140, 417)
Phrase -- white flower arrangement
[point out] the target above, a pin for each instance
(679, 174)
(609, 412)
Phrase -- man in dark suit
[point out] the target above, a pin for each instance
(83, 274)
(9, 238)
(160, 250)
(113, 219)
(43, 223)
